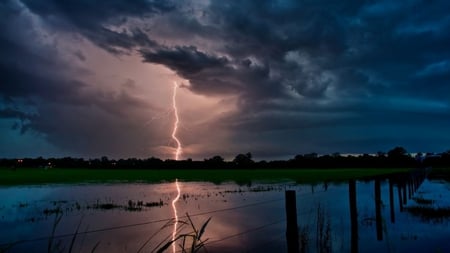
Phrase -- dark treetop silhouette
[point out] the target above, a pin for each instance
(398, 157)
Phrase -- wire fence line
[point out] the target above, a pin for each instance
(137, 224)
(254, 229)
(245, 232)
(248, 231)
(60, 236)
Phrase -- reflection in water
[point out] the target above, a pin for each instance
(175, 215)
(391, 201)
(245, 218)
(353, 216)
(378, 217)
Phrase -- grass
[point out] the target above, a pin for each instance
(190, 242)
(322, 234)
(34, 176)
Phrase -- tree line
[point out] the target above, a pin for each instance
(397, 157)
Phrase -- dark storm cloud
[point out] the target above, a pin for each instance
(262, 33)
(43, 93)
(92, 18)
(185, 60)
(11, 113)
(353, 64)
(203, 70)
(304, 73)
(271, 48)
(86, 13)
(381, 41)
(209, 74)
(26, 67)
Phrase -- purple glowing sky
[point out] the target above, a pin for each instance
(276, 78)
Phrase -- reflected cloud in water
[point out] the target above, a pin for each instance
(244, 218)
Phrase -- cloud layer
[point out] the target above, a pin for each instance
(290, 76)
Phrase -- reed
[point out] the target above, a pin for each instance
(190, 242)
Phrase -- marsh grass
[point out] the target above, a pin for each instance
(304, 238)
(58, 246)
(321, 235)
(190, 242)
(132, 206)
(51, 246)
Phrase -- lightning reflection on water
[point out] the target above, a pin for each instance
(174, 207)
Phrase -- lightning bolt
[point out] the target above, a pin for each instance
(178, 150)
(174, 201)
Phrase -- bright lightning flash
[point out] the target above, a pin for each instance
(174, 201)
(178, 150)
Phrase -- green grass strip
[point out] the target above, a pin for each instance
(35, 176)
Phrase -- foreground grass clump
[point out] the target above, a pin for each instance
(57, 176)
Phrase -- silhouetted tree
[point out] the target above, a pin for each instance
(215, 159)
(397, 152)
(243, 160)
(381, 154)
(399, 157)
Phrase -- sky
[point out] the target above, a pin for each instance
(276, 78)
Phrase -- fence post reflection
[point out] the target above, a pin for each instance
(405, 198)
(378, 218)
(409, 188)
(353, 216)
(291, 222)
(391, 200)
(400, 201)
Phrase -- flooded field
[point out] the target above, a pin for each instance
(357, 216)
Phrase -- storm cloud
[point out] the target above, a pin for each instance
(299, 76)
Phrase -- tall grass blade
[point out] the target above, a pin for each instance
(191, 223)
(166, 246)
(168, 237)
(95, 247)
(52, 235)
(202, 230)
(153, 235)
(74, 237)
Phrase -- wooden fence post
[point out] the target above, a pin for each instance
(291, 222)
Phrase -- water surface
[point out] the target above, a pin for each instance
(244, 218)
